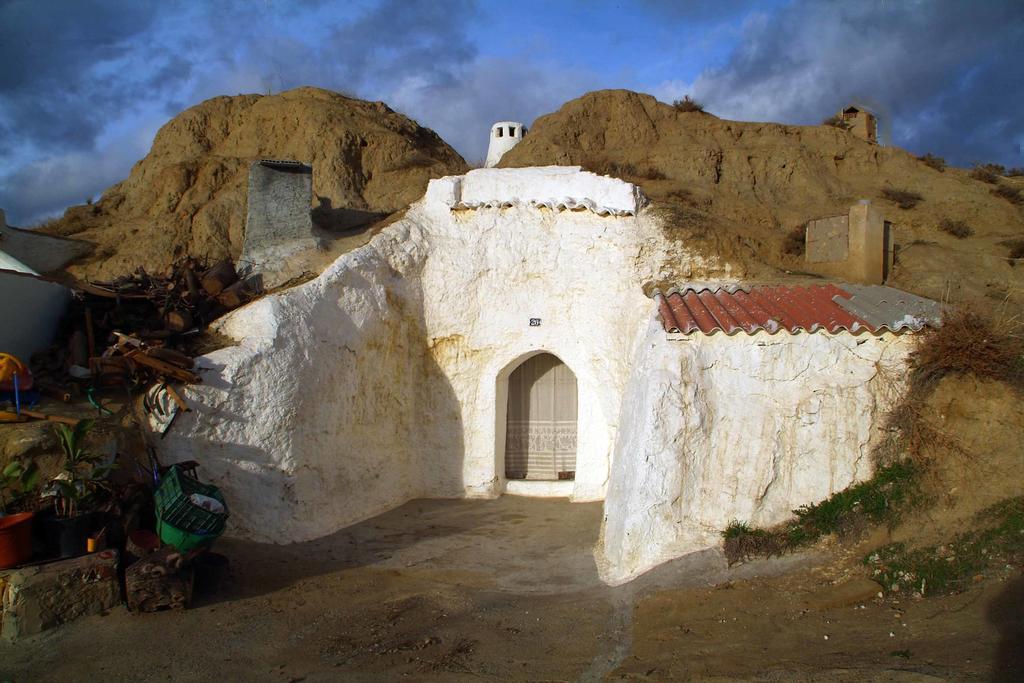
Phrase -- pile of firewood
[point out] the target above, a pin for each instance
(187, 297)
(136, 329)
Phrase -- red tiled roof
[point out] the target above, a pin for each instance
(810, 308)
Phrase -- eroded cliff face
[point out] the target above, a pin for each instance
(748, 428)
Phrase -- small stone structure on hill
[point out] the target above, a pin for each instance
(856, 246)
(860, 122)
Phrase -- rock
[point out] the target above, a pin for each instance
(31, 441)
(41, 597)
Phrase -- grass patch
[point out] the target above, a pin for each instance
(881, 499)
(795, 241)
(956, 228)
(940, 569)
(932, 161)
(987, 173)
(905, 199)
(687, 104)
(1010, 194)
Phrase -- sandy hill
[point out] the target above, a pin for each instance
(738, 189)
(188, 195)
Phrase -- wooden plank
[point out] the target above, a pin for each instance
(52, 418)
(176, 397)
(163, 368)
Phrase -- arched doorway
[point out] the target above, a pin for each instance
(540, 432)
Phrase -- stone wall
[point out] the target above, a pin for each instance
(40, 597)
(855, 247)
(278, 221)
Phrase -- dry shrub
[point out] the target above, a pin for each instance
(741, 542)
(795, 242)
(624, 169)
(905, 199)
(987, 173)
(968, 343)
(1016, 249)
(1010, 194)
(956, 228)
(682, 196)
(929, 159)
(1015, 172)
(836, 121)
(688, 104)
(676, 217)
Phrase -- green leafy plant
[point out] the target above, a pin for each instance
(18, 482)
(84, 475)
(879, 500)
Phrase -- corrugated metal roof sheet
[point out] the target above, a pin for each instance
(832, 308)
(885, 307)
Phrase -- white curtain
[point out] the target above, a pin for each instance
(540, 437)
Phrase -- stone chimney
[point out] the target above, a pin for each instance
(504, 136)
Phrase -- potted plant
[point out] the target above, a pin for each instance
(18, 483)
(78, 490)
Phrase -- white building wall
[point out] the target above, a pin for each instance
(381, 380)
(720, 428)
(30, 307)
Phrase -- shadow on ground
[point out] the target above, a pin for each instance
(508, 544)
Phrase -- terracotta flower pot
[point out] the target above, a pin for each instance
(15, 539)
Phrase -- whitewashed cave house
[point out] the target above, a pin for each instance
(498, 340)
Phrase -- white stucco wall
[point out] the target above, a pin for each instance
(739, 427)
(384, 379)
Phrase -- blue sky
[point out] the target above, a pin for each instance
(85, 84)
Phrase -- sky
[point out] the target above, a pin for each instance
(85, 84)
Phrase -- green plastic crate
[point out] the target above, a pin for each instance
(174, 509)
(182, 540)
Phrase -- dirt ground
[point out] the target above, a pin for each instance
(508, 590)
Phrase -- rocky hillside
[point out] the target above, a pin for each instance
(739, 189)
(188, 195)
